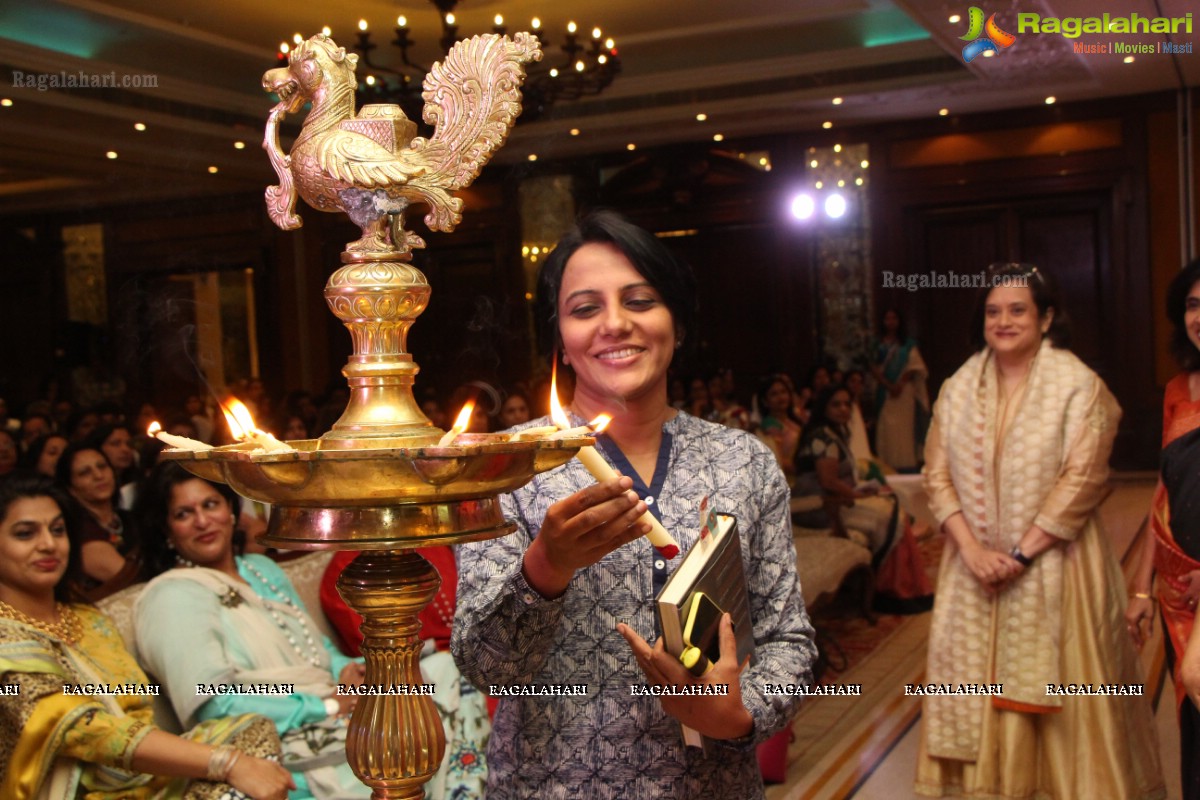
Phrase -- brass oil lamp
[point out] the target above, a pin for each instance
(381, 482)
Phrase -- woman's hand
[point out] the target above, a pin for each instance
(715, 716)
(1191, 595)
(580, 530)
(260, 778)
(990, 567)
(1139, 613)
(353, 674)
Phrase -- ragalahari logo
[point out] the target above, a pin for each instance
(983, 37)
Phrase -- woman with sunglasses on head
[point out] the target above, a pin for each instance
(60, 745)
(1029, 596)
(568, 598)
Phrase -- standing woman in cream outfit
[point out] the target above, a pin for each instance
(1029, 594)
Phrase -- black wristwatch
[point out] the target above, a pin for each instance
(1021, 558)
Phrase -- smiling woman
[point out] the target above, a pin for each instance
(1016, 465)
(568, 598)
(242, 623)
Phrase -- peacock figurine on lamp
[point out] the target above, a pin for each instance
(371, 164)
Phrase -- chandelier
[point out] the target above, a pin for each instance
(582, 67)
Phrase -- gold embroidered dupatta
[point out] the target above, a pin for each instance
(1002, 477)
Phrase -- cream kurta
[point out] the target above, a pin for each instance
(1059, 622)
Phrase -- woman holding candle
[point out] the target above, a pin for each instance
(1029, 595)
(59, 745)
(240, 622)
(551, 603)
(1173, 546)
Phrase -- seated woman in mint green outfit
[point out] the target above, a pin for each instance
(212, 622)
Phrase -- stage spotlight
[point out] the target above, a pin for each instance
(803, 206)
(835, 205)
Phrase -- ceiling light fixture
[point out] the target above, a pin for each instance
(586, 68)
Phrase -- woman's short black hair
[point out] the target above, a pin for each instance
(1183, 348)
(1045, 296)
(153, 506)
(29, 487)
(670, 276)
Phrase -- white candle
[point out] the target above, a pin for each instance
(582, 430)
(460, 424)
(180, 442)
(537, 433)
(599, 468)
(601, 471)
(268, 442)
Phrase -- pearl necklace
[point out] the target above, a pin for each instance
(314, 655)
(68, 628)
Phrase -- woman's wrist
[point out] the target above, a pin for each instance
(220, 763)
(332, 707)
(541, 574)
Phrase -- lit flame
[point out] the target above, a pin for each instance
(557, 415)
(464, 417)
(241, 423)
(154, 428)
(600, 422)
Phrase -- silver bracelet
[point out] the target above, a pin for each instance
(220, 763)
(332, 709)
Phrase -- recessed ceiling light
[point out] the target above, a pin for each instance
(1051, 100)
(239, 145)
(837, 101)
(6, 102)
(837, 148)
(631, 146)
(955, 19)
(989, 53)
(139, 126)
(326, 30)
(826, 124)
(813, 163)
(864, 163)
(111, 154)
(718, 137)
(943, 112)
(212, 170)
(701, 117)
(574, 131)
(533, 156)
(1128, 59)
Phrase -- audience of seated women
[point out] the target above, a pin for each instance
(60, 745)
